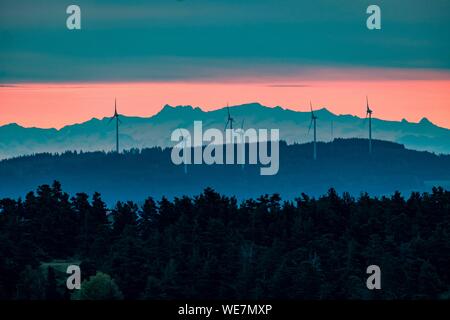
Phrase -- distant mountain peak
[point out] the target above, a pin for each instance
(12, 125)
(16, 126)
(425, 120)
(250, 105)
(168, 109)
(324, 112)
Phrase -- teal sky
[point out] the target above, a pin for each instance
(202, 39)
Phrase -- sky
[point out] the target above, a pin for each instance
(206, 53)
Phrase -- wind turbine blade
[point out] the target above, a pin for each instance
(226, 125)
(110, 119)
(228, 109)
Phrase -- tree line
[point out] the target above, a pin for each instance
(211, 247)
(134, 174)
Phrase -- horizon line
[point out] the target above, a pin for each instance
(188, 106)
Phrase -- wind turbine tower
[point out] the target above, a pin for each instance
(313, 121)
(116, 116)
(369, 115)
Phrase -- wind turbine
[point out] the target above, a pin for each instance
(184, 151)
(313, 120)
(369, 114)
(229, 119)
(116, 116)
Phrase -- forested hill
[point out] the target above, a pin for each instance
(211, 247)
(135, 174)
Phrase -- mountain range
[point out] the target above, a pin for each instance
(143, 132)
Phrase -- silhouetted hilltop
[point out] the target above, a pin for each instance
(343, 164)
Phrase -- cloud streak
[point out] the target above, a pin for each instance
(197, 39)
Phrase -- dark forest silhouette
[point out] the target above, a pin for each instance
(210, 246)
(344, 164)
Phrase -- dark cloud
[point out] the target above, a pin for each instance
(191, 39)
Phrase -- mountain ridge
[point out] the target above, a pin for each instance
(141, 132)
(168, 107)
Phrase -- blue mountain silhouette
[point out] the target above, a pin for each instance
(141, 132)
